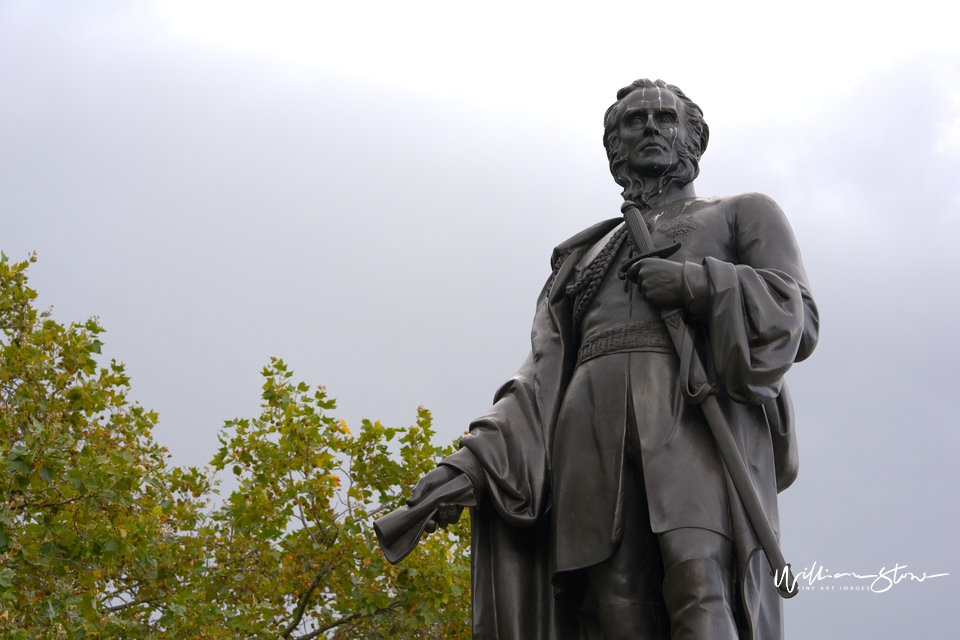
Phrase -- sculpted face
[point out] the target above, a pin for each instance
(651, 122)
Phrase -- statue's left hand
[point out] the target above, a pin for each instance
(661, 282)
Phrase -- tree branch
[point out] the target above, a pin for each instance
(348, 619)
(130, 603)
(302, 606)
(45, 504)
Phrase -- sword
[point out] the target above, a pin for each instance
(697, 389)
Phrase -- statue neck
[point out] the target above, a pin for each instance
(670, 193)
(674, 192)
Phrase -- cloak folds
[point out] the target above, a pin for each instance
(759, 317)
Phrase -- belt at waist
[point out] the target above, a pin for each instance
(633, 336)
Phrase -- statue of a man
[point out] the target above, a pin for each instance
(603, 506)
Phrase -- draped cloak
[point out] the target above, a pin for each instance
(752, 310)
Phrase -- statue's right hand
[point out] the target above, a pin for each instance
(436, 478)
(446, 514)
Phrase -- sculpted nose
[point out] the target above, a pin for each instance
(650, 127)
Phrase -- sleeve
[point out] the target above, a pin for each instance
(508, 445)
(761, 317)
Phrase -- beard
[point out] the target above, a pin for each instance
(644, 190)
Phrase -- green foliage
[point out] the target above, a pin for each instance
(299, 526)
(100, 538)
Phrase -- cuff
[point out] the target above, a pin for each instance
(696, 289)
(466, 463)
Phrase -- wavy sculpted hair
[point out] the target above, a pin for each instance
(642, 189)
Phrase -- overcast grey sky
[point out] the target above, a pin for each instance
(372, 191)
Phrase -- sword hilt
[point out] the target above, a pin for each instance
(640, 236)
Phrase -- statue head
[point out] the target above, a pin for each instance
(654, 135)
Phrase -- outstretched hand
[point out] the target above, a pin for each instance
(661, 281)
(447, 514)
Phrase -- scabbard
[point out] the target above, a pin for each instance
(697, 389)
(399, 531)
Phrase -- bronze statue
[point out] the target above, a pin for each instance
(625, 480)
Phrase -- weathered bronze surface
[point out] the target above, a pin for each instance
(626, 477)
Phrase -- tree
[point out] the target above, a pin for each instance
(101, 538)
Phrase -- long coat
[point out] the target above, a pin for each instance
(758, 319)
